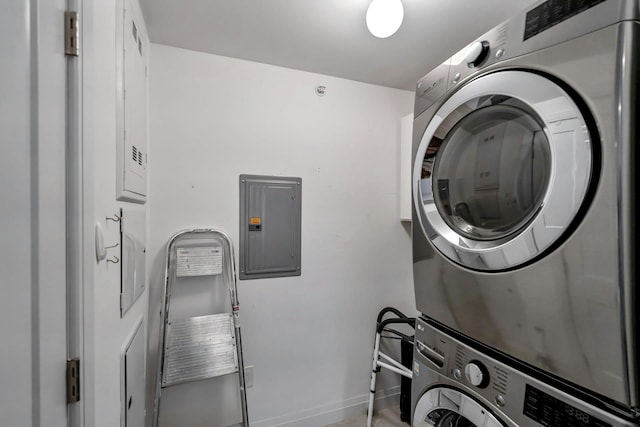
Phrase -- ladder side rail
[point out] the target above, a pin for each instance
(235, 307)
(164, 318)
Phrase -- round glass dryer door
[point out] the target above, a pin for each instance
(502, 170)
(446, 407)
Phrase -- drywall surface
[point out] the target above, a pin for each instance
(310, 338)
(105, 332)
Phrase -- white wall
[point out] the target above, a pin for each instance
(213, 118)
(105, 332)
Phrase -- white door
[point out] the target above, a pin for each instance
(33, 230)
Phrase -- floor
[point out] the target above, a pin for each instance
(388, 417)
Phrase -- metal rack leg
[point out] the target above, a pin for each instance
(374, 373)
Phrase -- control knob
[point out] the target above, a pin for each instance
(476, 373)
(477, 53)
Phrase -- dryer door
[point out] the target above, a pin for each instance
(446, 407)
(502, 170)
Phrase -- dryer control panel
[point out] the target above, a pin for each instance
(553, 12)
(527, 401)
(542, 25)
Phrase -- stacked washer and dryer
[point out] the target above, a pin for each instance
(524, 233)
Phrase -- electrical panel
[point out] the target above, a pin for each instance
(133, 256)
(131, 63)
(270, 226)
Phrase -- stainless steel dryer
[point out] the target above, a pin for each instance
(456, 386)
(523, 191)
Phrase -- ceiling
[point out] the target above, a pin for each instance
(327, 36)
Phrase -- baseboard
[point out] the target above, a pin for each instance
(333, 412)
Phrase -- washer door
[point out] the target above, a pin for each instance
(445, 407)
(502, 170)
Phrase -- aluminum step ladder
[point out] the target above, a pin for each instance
(195, 345)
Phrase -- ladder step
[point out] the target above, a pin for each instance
(199, 348)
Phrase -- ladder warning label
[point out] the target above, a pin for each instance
(203, 261)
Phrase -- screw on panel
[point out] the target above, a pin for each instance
(321, 90)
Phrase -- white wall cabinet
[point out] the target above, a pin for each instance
(132, 154)
(406, 134)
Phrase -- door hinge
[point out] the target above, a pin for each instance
(72, 33)
(73, 380)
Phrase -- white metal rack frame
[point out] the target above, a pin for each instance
(389, 363)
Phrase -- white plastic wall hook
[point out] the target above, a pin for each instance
(101, 251)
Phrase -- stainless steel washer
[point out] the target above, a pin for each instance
(524, 233)
(456, 386)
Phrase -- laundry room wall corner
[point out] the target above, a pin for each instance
(309, 338)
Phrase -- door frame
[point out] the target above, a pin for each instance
(79, 207)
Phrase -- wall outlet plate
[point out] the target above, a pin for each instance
(248, 376)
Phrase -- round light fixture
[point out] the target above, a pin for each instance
(384, 17)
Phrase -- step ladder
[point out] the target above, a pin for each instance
(195, 345)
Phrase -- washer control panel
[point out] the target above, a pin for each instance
(481, 373)
(525, 400)
(476, 373)
(547, 410)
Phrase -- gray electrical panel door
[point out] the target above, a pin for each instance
(270, 224)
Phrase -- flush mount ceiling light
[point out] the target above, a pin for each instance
(384, 17)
